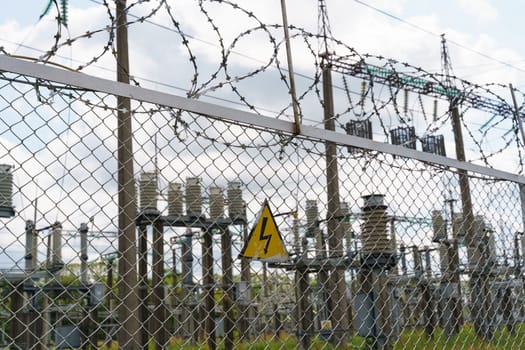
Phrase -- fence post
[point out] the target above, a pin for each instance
(337, 303)
(129, 332)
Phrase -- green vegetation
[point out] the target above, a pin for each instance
(466, 339)
(413, 339)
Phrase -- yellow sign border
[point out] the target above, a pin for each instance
(261, 257)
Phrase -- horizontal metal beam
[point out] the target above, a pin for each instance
(81, 80)
(422, 86)
(23, 275)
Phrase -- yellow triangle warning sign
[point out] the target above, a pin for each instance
(265, 242)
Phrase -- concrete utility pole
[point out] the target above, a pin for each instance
(480, 277)
(464, 185)
(480, 291)
(337, 302)
(522, 132)
(128, 334)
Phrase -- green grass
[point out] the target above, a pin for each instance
(410, 339)
(466, 339)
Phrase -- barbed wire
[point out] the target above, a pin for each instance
(377, 71)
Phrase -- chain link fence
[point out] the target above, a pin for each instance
(384, 251)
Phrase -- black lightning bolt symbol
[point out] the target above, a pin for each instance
(262, 237)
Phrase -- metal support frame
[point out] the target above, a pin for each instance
(418, 84)
(152, 324)
(85, 81)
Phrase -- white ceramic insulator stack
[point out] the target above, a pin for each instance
(312, 218)
(148, 190)
(175, 206)
(374, 227)
(6, 186)
(193, 196)
(216, 203)
(235, 202)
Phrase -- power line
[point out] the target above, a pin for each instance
(384, 72)
(399, 19)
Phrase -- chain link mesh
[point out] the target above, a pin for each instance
(383, 252)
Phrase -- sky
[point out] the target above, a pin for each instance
(407, 30)
(483, 42)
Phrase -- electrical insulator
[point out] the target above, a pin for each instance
(175, 199)
(435, 113)
(363, 93)
(346, 226)
(30, 227)
(6, 191)
(193, 196)
(148, 190)
(236, 207)
(374, 226)
(295, 231)
(216, 203)
(312, 218)
(405, 106)
(56, 246)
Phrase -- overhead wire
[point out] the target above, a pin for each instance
(214, 83)
(458, 44)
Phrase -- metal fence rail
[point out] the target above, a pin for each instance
(384, 250)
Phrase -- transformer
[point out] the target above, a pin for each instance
(404, 136)
(433, 144)
(360, 128)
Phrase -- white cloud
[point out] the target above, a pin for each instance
(482, 10)
(159, 55)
